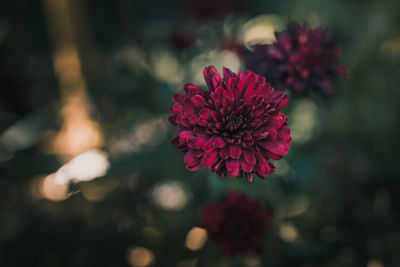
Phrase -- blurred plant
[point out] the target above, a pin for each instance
(235, 129)
(236, 223)
(301, 59)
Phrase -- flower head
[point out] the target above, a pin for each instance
(235, 128)
(301, 59)
(236, 223)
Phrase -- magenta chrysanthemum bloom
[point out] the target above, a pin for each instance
(236, 223)
(235, 128)
(301, 59)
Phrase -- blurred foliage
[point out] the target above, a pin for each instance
(336, 195)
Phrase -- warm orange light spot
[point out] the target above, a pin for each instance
(140, 257)
(78, 133)
(84, 167)
(375, 263)
(288, 232)
(196, 238)
(52, 190)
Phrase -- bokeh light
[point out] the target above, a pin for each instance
(166, 67)
(261, 30)
(297, 206)
(140, 257)
(84, 167)
(196, 238)
(170, 196)
(252, 261)
(79, 133)
(375, 263)
(288, 232)
(52, 190)
(303, 120)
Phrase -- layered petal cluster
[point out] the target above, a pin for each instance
(235, 128)
(236, 223)
(301, 59)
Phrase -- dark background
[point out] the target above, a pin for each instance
(98, 76)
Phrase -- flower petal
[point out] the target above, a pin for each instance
(205, 113)
(224, 152)
(249, 157)
(211, 159)
(232, 165)
(194, 142)
(284, 134)
(198, 101)
(194, 167)
(190, 159)
(212, 77)
(192, 89)
(249, 177)
(235, 151)
(208, 146)
(277, 147)
(219, 142)
(228, 74)
(246, 167)
(277, 121)
(178, 98)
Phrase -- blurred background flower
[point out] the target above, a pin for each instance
(302, 60)
(237, 223)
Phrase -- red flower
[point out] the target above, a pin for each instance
(301, 59)
(235, 128)
(236, 223)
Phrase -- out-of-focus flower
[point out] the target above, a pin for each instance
(236, 128)
(301, 59)
(236, 223)
(213, 9)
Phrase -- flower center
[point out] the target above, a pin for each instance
(234, 123)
